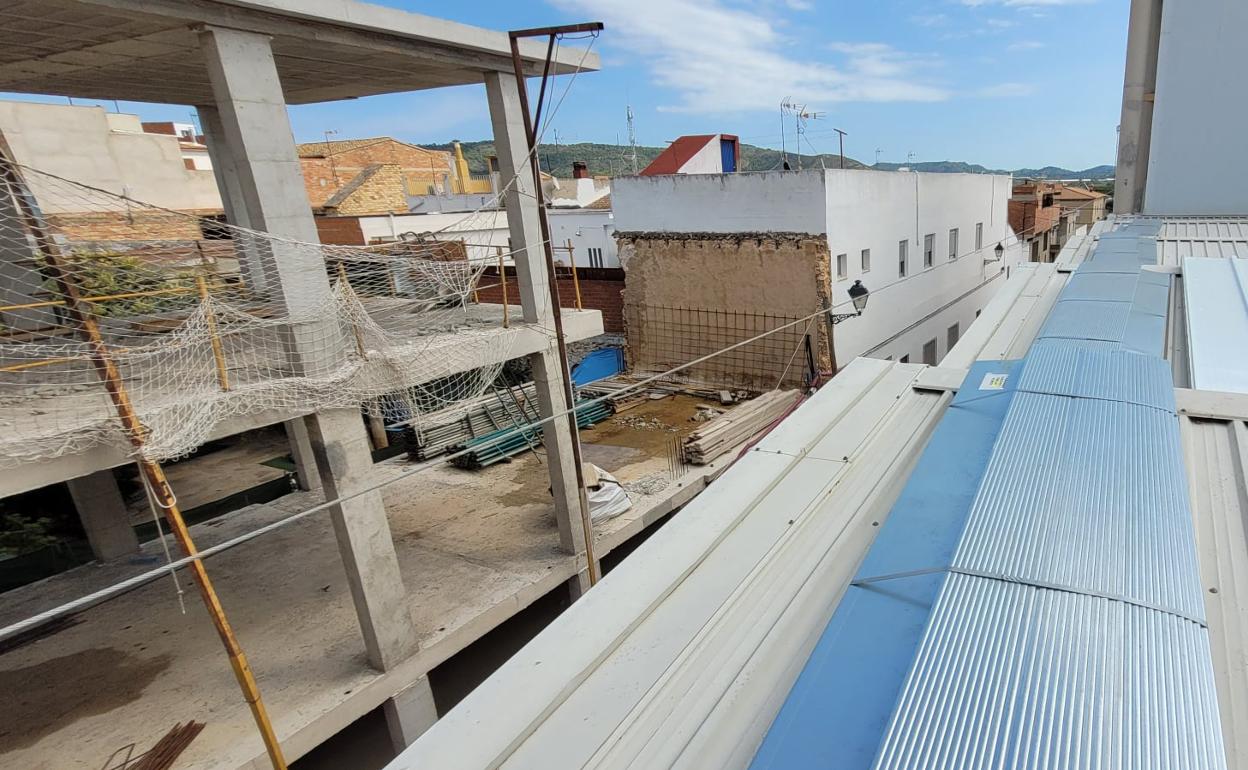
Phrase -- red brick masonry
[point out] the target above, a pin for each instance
(602, 288)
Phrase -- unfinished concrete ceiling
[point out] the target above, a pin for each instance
(148, 50)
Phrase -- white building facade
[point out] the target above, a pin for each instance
(484, 233)
(924, 244)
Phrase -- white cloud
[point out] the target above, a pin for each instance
(721, 59)
(1024, 3)
(1001, 23)
(1025, 45)
(930, 19)
(1006, 90)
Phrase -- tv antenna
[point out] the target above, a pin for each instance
(801, 116)
(632, 137)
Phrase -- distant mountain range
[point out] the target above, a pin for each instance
(613, 160)
(960, 167)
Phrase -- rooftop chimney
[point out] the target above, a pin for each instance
(580, 170)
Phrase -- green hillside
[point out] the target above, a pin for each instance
(615, 160)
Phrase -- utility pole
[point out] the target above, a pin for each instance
(333, 168)
(532, 121)
(877, 155)
(910, 158)
(632, 137)
(784, 152)
(841, 135)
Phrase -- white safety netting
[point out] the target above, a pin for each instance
(198, 323)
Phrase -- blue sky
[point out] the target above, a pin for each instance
(1005, 83)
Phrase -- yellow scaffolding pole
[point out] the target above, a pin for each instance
(576, 281)
(151, 470)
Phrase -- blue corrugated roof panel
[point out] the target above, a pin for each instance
(849, 686)
(1064, 613)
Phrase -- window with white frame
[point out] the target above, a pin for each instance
(929, 250)
(903, 249)
(953, 243)
(842, 266)
(595, 257)
(866, 260)
(979, 236)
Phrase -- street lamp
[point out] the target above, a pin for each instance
(999, 251)
(858, 294)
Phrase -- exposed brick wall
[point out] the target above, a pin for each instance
(340, 231)
(382, 192)
(601, 289)
(420, 168)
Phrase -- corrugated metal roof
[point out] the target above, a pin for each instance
(1021, 677)
(1088, 494)
(1217, 323)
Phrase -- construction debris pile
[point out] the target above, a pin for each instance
(717, 436)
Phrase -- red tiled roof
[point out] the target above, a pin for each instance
(677, 154)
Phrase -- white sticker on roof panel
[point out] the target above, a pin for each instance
(993, 381)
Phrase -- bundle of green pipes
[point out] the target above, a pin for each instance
(500, 408)
(489, 449)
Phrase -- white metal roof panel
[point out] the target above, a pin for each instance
(1216, 293)
(1217, 466)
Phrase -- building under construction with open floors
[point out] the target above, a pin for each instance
(130, 350)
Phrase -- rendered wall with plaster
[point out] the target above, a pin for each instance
(877, 210)
(856, 210)
(104, 150)
(689, 294)
(1198, 156)
(485, 232)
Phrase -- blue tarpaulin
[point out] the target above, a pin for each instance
(598, 365)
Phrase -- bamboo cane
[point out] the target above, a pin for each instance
(359, 336)
(502, 277)
(155, 475)
(576, 282)
(218, 353)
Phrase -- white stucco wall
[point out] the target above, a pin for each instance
(708, 160)
(1198, 155)
(856, 210)
(587, 228)
(486, 231)
(770, 201)
(104, 150)
(876, 210)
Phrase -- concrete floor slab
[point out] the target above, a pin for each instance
(473, 547)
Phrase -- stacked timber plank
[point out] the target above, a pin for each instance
(736, 426)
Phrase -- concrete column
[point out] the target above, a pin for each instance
(19, 282)
(340, 444)
(409, 714)
(1135, 129)
(526, 239)
(223, 166)
(104, 515)
(306, 474)
(252, 121)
